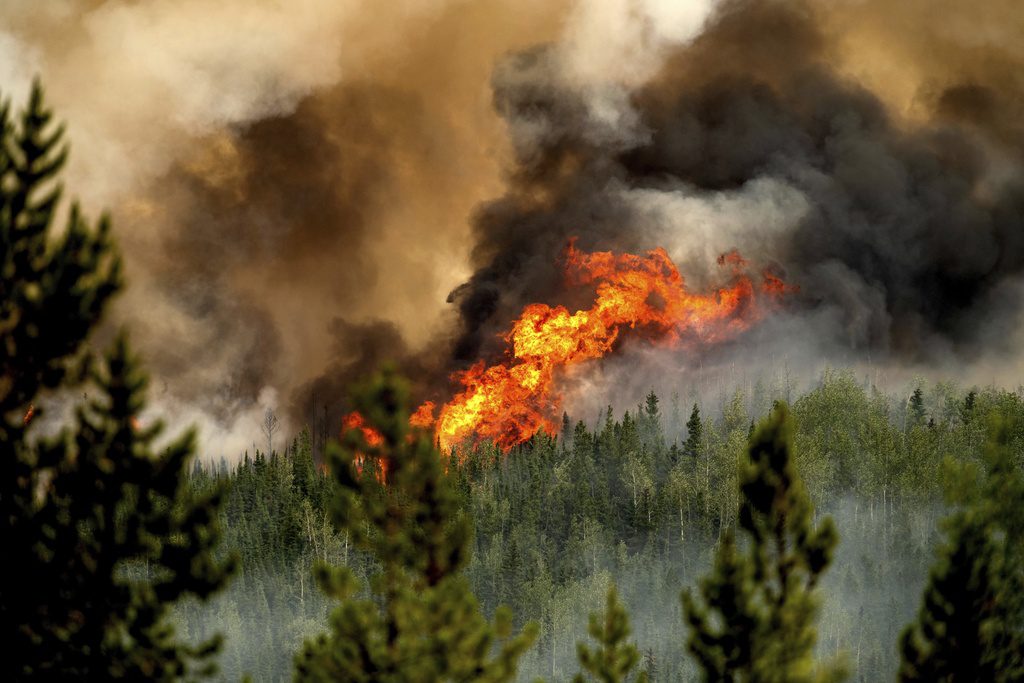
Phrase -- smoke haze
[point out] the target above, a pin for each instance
(303, 190)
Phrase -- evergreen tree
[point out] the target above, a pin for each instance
(614, 660)
(100, 533)
(970, 626)
(754, 620)
(694, 433)
(649, 421)
(967, 410)
(917, 412)
(651, 405)
(422, 622)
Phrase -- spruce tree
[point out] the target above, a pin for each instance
(694, 433)
(615, 658)
(970, 626)
(100, 533)
(420, 621)
(967, 409)
(917, 412)
(651, 405)
(754, 618)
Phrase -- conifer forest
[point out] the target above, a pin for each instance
(608, 341)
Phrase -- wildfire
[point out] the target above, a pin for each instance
(512, 400)
(372, 437)
(424, 416)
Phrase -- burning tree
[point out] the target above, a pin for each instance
(100, 533)
(511, 400)
(422, 622)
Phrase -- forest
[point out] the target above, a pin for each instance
(769, 534)
(642, 500)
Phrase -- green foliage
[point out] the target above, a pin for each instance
(52, 288)
(614, 659)
(755, 620)
(100, 532)
(555, 521)
(695, 432)
(916, 405)
(423, 623)
(970, 626)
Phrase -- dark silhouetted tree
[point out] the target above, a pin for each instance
(694, 433)
(269, 426)
(917, 412)
(100, 533)
(970, 626)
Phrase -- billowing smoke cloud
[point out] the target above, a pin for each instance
(903, 228)
(276, 172)
(298, 187)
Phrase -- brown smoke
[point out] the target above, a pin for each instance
(277, 172)
(298, 187)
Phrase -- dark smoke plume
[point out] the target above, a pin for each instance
(296, 199)
(913, 231)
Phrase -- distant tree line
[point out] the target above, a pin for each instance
(477, 565)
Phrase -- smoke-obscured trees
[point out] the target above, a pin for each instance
(694, 433)
(755, 618)
(423, 622)
(615, 658)
(269, 426)
(971, 623)
(100, 533)
(554, 522)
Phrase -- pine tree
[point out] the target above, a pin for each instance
(614, 660)
(917, 412)
(422, 623)
(651, 405)
(970, 626)
(967, 410)
(694, 433)
(754, 620)
(100, 533)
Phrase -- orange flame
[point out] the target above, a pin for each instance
(372, 437)
(29, 414)
(424, 416)
(512, 400)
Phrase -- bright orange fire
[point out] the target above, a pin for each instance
(372, 437)
(424, 416)
(512, 400)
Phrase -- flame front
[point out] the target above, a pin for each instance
(373, 439)
(510, 401)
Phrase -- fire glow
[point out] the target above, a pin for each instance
(510, 401)
(373, 438)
